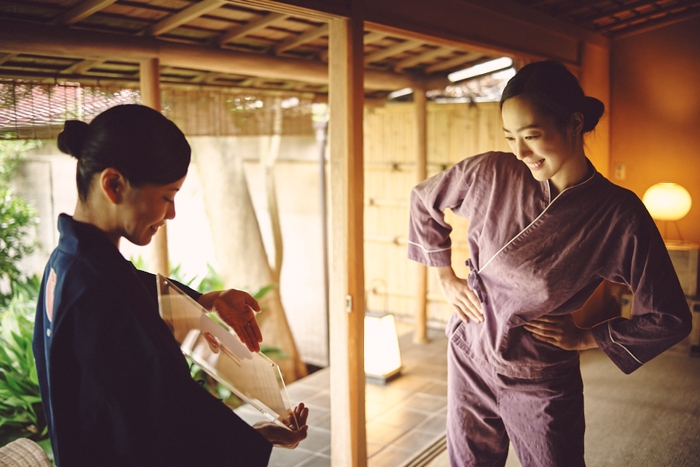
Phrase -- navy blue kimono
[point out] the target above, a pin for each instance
(115, 386)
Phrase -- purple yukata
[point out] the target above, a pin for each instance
(534, 255)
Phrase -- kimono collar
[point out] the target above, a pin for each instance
(81, 238)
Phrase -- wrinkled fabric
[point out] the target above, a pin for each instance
(533, 255)
(116, 389)
(543, 418)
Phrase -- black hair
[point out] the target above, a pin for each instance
(554, 91)
(139, 142)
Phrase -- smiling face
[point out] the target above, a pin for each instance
(550, 152)
(145, 209)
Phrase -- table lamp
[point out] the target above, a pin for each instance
(667, 202)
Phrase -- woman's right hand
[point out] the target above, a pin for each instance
(458, 294)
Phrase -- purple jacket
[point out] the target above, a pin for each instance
(532, 256)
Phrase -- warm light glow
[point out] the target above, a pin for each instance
(382, 354)
(400, 93)
(667, 201)
(481, 69)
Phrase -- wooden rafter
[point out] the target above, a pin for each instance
(420, 58)
(82, 11)
(308, 36)
(4, 57)
(184, 16)
(81, 67)
(252, 26)
(373, 36)
(453, 62)
(393, 50)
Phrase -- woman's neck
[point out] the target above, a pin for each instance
(88, 213)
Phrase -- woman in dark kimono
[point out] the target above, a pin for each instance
(545, 229)
(115, 386)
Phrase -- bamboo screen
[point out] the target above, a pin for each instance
(31, 110)
(455, 131)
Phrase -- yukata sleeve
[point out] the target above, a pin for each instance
(660, 313)
(428, 232)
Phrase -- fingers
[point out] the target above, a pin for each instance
(251, 335)
(253, 303)
(301, 413)
(468, 307)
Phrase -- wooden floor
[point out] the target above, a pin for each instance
(650, 418)
(403, 417)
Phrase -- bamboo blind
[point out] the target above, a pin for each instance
(30, 110)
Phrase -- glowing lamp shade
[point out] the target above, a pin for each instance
(382, 355)
(667, 201)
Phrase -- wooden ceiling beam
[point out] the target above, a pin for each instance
(252, 26)
(392, 50)
(373, 36)
(453, 62)
(5, 57)
(38, 39)
(490, 26)
(184, 16)
(82, 11)
(296, 41)
(81, 67)
(420, 58)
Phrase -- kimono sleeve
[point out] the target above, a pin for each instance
(429, 235)
(660, 313)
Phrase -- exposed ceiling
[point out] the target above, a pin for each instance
(241, 28)
(617, 18)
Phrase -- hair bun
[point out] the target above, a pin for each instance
(593, 109)
(72, 138)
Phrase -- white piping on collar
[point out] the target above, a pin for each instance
(549, 193)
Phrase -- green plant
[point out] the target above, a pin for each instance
(21, 412)
(17, 218)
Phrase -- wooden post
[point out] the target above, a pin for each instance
(150, 96)
(421, 109)
(346, 301)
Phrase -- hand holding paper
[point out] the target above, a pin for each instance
(283, 437)
(237, 309)
(223, 355)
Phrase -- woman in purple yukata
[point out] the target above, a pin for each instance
(545, 229)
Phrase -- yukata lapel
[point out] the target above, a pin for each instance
(528, 257)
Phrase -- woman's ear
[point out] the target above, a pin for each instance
(577, 123)
(113, 185)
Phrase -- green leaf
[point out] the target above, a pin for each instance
(263, 291)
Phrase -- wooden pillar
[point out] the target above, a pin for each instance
(594, 76)
(346, 300)
(421, 109)
(150, 96)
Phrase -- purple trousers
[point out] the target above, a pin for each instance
(542, 418)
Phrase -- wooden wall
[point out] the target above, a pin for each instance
(455, 131)
(655, 114)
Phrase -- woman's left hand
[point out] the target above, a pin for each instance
(286, 437)
(562, 332)
(237, 309)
